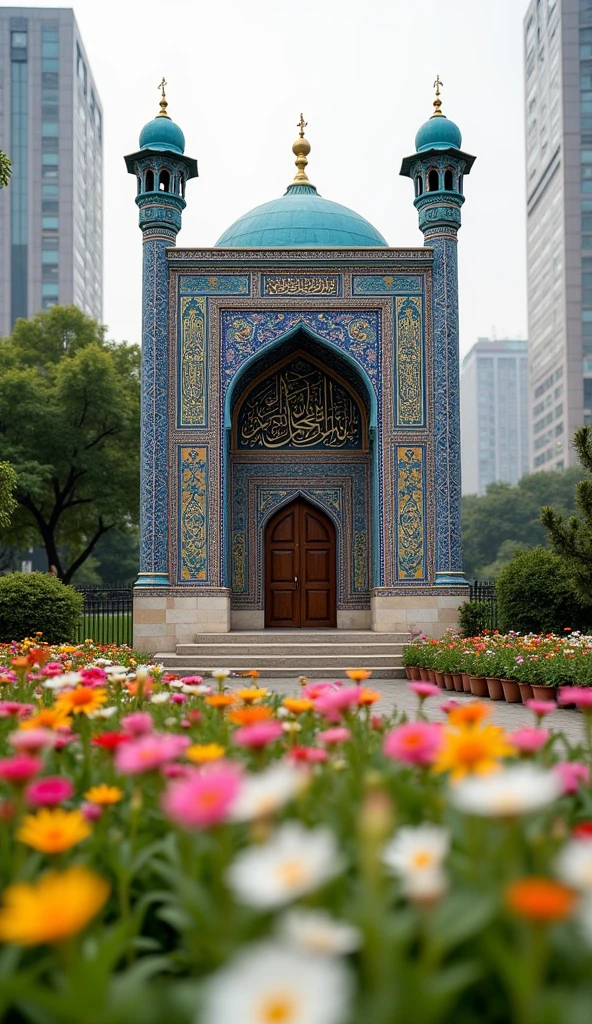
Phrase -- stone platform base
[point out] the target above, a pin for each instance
(166, 617)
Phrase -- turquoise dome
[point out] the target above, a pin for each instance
(162, 134)
(298, 219)
(438, 133)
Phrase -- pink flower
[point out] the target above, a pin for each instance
(204, 798)
(63, 738)
(314, 755)
(192, 680)
(338, 734)
(581, 696)
(424, 690)
(93, 676)
(174, 770)
(48, 792)
(541, 707)
(148, 752)
(178, 698)
(20, 768)
(259, 734)
(572, 773)
(14, 707)
(92, 812)
(53, 668)
(332, 704)
(138, 723)
(314, 690)
(32, 740)
(377, 722)
(7, 675)
(414, 743)
(528, 740)
(449, 705)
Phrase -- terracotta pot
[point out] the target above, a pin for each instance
(526, 691)
(414, 672)
(458, 681)
(439, 679)
(479, 686)
(466, 682)
(494, 688)
(511, 691)
(431, 675)
(424, 675)
(448, 681)
(544, 692)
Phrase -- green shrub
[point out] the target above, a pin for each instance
(474, 617)
(535, 595)
(37, 602)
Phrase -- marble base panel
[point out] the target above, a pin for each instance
(357, 619)
(431, 614)
(163, 620)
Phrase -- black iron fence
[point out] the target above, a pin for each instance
(106, 615)
(484, 591)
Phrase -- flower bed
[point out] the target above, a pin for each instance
(210, 852)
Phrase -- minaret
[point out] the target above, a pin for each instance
(437, 169)
(162, 172)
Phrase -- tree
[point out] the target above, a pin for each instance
(5, 170)
(571, 536)
(512, 513)
(7, 486)
(69, 423)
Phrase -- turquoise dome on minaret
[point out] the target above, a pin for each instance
(439, 132)
(161, 133)
(301, 218)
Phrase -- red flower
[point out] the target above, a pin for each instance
(583, 830)
(110, 740)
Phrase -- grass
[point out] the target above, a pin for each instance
(106, 627)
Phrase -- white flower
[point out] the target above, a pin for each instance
(267, 983)
(103, 712)
(282, 712)
(101, 662)
(574, 864)
(315, 931)
(416, 855)
(160, 698)
(220, 674)
(176, 684)
(265, 793)
(295, 861)
(196, 691)
(291, 726)
(143, 672)
(515, 790)
(61, 682)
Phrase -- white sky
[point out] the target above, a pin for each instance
(240, 72)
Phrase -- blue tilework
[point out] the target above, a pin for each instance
(386, 284)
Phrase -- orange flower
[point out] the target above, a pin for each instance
(48, 718)
(53, 830)
(358, 674)
(220, 700)
(201, 753)
(469, 714)
(21, 662)
(53, 908)
(250, 695)
(472, 750)
(252, 673)
(368, 697)
(83, 700)
(540, 900)
(249, 716)
(298, 704)
(103, 795)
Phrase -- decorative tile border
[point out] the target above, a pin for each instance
(193, 513)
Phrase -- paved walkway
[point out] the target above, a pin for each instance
(396, 694)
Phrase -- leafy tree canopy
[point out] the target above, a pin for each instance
(571, 535)
(69, 424)
(512, 513)
(7, 486)
(5, 170)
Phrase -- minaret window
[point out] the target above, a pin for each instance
(418, 185)
(150, 181)
(448, 180)
(164, 181)
(433, 180)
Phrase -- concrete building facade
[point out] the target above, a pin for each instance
(494, 414)
(51, 127)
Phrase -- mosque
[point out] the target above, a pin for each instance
(300, 463)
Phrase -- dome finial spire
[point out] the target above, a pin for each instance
(163, 100)
(438, 102)
(301, 149)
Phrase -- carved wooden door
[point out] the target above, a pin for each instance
(300, 576)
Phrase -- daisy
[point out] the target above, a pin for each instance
(416, 855)
(270, 984)
(520, 789)
(294, 862)
(267, 792)
(315, 931)
(574, 864)
(53, 907)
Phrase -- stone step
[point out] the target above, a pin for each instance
(297, 662)
(277, 672)
(216, 651)
(301, 636)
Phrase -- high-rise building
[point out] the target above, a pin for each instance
(558, 112)
(494, 414)
(51, 214)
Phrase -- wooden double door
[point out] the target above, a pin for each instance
(300, 568)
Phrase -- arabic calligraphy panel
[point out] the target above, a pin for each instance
(299, 406)
(213, 284)
(192, 386)
(300, 284)
(410, 513)
(409, 362)
(387, 284)
(193, 464)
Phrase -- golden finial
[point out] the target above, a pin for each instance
(163, 100)
(438, 102)
(301, 149)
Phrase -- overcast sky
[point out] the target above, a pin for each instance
(240, 72)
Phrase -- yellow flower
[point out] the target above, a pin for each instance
(297, 705)
(104, 794)
(472, 750)
(199, 753)
(53, 831)
(83, 700)
(472, 713)
(250, 694)
(358, 674)
(48, 718)
(53, 908)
